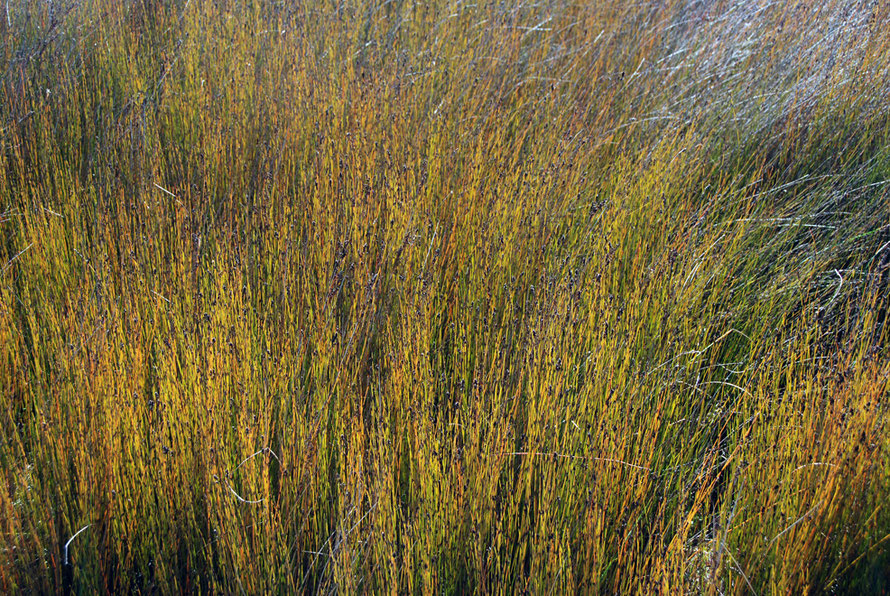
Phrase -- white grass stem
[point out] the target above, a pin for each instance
(76, 534)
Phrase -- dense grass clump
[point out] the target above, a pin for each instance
(453, 297)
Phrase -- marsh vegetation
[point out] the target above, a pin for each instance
(454, 297)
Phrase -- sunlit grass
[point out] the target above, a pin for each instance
(454, 297)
